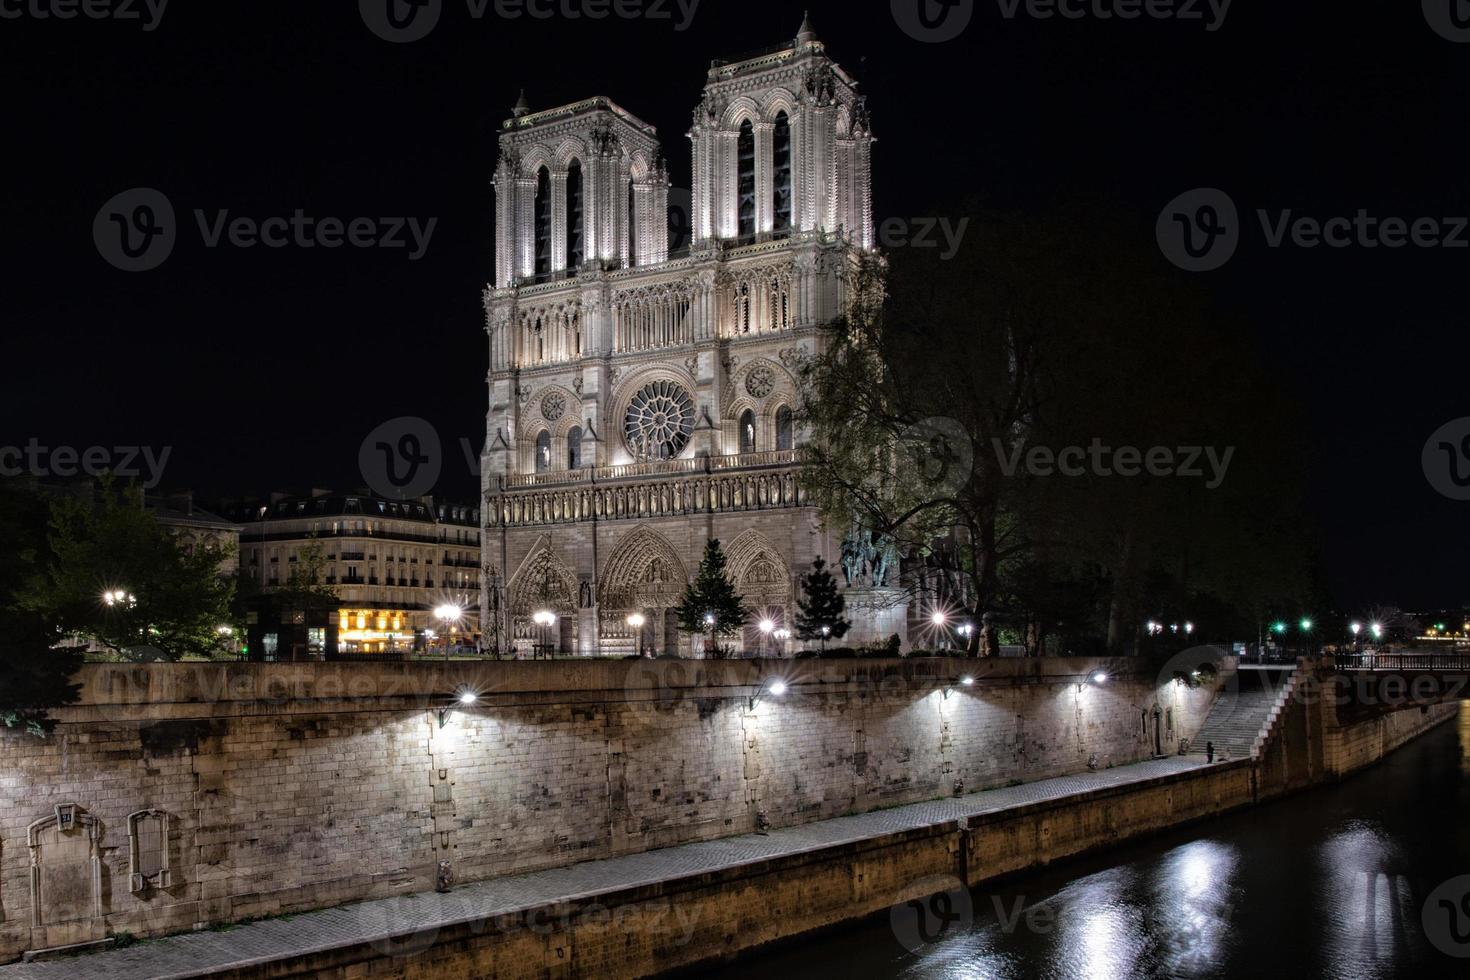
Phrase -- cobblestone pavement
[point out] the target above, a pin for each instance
(200, 953)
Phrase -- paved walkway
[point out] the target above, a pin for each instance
(200, 953)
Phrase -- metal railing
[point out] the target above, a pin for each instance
(1402, 661)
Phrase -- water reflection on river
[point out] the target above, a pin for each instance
(1331, 883)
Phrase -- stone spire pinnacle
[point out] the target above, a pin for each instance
(522, 106)
(805, 34)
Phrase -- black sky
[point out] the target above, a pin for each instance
(264, 369)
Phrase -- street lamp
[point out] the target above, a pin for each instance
(448, 614)
(545, 618)
(635, 620)
(1306, 625)
(767, 628)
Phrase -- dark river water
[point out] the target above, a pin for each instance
(1354, 880)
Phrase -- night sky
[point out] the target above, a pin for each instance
(264, 368)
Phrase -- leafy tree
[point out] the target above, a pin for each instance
(306, 587)
(123, 580)
(1044, 333)
(33, 676)
(819, 612)
(710, 602)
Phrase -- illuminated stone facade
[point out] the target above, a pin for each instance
(642, 400)
(391, 562)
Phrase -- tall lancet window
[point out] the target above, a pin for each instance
(747, 431)
(543, 451)
(574, 448)
(745, 154)
(781, 172)
(783, 428)
(574, 216)
(543, 222)
(632, 226)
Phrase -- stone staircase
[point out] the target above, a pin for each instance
(1241, 720)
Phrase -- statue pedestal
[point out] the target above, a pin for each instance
(876, 614)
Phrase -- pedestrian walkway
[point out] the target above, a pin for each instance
(378, 921)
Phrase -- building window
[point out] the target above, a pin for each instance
(543, 222)
(632, 226)
(574, 448)
(781, 172)
(747, 432)
(543, 452)
(783, 428)
(574, 216)
(746, 189)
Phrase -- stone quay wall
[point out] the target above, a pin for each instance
(175, 797)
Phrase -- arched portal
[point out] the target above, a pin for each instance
(643, 575)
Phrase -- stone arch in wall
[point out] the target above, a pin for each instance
(759, 571)
(643, 574)
(543, 582)
(66, 877)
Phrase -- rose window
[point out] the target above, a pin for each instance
(553, 407)
(659, 421)
(760, 381)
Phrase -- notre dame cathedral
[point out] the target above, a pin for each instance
(642, 401)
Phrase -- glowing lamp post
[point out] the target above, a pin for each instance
(545, 619)
(767, 627)
(449, 614)
(636, 621)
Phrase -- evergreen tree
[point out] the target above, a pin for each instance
(819, 612)
(711, 604)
